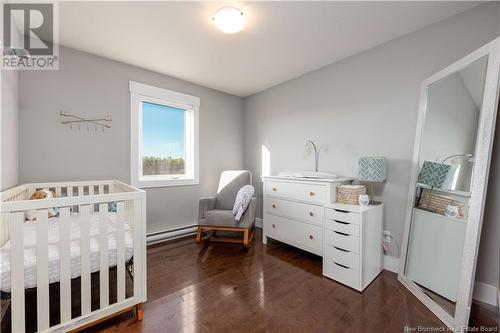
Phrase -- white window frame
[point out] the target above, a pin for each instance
(139, 93)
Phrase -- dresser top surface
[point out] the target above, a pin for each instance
(311, 180)
(352, 208)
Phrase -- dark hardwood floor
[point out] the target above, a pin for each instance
(273, 288)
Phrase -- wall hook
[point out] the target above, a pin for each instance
(70, 119)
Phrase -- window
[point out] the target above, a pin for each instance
(164, 137)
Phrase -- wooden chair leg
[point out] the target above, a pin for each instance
(246, 241)
(199, 233)
(139, 312)
(252, 234)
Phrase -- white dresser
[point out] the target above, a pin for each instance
(294, 210)
(352, 252)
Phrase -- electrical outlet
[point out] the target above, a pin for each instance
(387, 238)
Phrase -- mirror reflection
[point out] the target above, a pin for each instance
(444, 182)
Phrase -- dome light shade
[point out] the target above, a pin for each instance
(229, 19)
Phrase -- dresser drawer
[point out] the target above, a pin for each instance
(347, 276)
(300, 211)
(275, 227)
(296, 233)
(342, 241)
(342, 215)
(298, 191)
(307, 235)
(344, 227)
(343, 257)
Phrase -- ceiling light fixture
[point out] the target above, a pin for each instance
(229, 19)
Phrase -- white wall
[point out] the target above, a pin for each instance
(93, 86)
(9, 119)
(365, 105)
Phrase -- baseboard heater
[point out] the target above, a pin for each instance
(161, 236)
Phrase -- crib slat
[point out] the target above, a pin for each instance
(58, 192)
(101, 189)
(137, 248)
(85, 258)
(42, 269)
(91, 189)
(64, 255)
(17, 271)
(69, 191)
(80, 190)
(120, 254)
(4, 228)
(103, 255)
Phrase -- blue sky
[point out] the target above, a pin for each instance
(163, 131)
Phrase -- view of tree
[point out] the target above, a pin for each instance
(153, 165)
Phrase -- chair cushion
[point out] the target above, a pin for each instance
(221, 218)
(229, 185)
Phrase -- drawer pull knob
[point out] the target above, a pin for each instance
(341, 222)
(341, 233)
(274, 226)
(311, 194)
(274, 189)
(274, 206)
(343, 266)
(338, 248)
(311, 214)
(311, 237)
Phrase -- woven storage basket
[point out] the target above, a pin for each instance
(349, 194)
(438, 203)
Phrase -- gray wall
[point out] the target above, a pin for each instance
(450, 127)
(93, 86)
(489, 248)
(366, 105)
(9, 120)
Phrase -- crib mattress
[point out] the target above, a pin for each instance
(53, 234)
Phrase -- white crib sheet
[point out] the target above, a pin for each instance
(30, 249)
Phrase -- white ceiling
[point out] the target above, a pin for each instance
(280, 41)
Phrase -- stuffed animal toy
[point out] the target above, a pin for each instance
(38, 195)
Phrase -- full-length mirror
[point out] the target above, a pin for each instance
(450, 166)
(443, 188)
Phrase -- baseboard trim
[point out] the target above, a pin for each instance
(162, 236)
(391, 264)
(486, 293)
(166, 235)
(259, 222)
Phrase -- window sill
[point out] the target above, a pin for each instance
(165, 183)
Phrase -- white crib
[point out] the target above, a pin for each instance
(105, 205)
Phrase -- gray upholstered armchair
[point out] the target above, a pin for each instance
(216, 213)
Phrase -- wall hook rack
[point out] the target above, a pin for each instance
(70, 119)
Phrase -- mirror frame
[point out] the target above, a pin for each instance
(484, 144)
